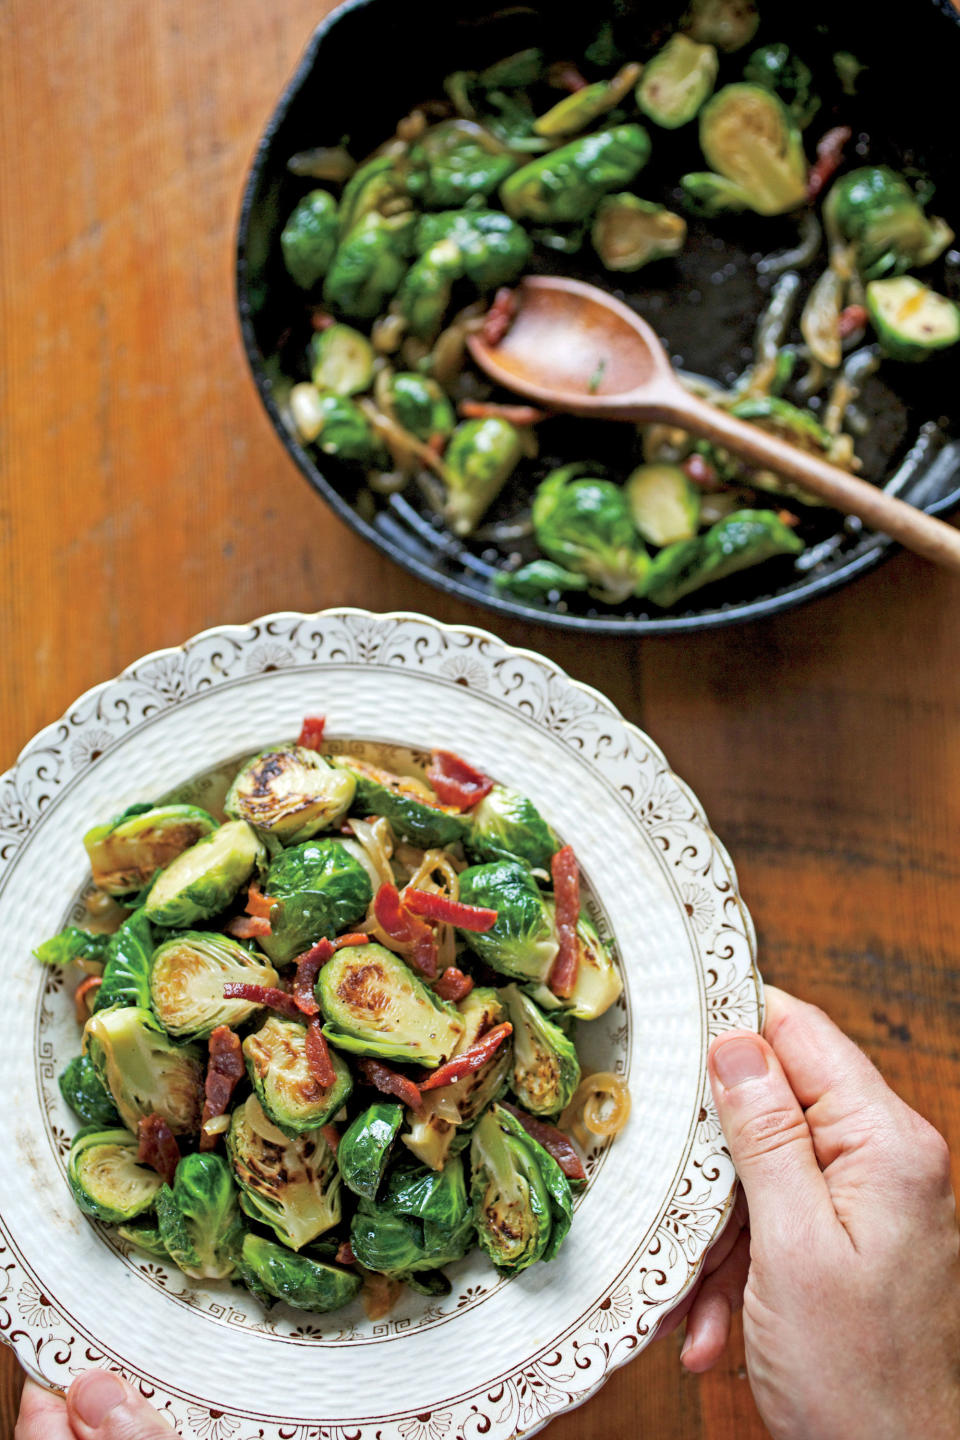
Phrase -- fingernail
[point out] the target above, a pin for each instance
(95, 1395)
(738, 1060)
(686, 1345)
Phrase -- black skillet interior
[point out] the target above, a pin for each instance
(374, 59)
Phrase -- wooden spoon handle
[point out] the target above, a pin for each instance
(914, 529)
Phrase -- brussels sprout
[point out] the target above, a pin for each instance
(629, 233)
(566, 184)
(204, 879)
(280, 1073)
(420, 406)
(676, 82)
(522, 1203)
(107, 1182)
(506, 825)
(876, 210)
(369, 265)
(777, 68)
(546, 1071)
(598, 983)
(513, 72)
(365, 1147)
(522, 942)
(126, 975)
(728, 24)
(321, 888)
(199, 1219)
(339, 427)
(290, 792)
(127, 852)
(378, 187)
(410, 805)
(72, 946)
(494, 249)
(480, 458)
(290, 1185)
(309, 238)
(664, 503)
(743, 539)
(433, 1134)
(86, 1094)
(584, 524)
(540, 580)
(145, 1235)
(425, 294)
(341, 360)
(145, 1073)
(750, 138)
(575, 112)
(187, 977)
(911, 320)
(800, 427)
(375, 1005)
(709, 195)
(456, 160)
(270, 1270)
(423, 1221)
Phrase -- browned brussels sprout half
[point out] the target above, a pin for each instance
(375, 1005)
(187, 977)
(280, 1073)
(126, 853)
(145, 1073)
(290, 1185)
(629, 233)
(290, 793)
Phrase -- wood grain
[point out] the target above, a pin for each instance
(145, 496)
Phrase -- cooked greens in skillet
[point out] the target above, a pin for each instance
(609, 157)
(333, 1035)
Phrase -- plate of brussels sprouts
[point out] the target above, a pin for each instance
(732, 172)
(335, 1050)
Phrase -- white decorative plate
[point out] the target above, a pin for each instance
(495, 1358)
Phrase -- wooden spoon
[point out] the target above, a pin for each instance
(574, 348)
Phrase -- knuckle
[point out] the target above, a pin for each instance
(932, 1154)
(771, 1130)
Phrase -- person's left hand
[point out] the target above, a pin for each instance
(99, 1406)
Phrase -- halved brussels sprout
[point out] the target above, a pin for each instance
(876, 210)
(743, 539)
(540, 580)
(494, 249)
(424, 1221)
(369, 265)
(187, 977)
(204, 879)
(664, 503)
(575, 112)
(364, 1148)
(271, 1270)
(728, 24)
(522, 943)
(455, 161)
(145, 1073)
(629, 233)
(309, 238)
(479, 460)
(425, 293)
(127, 852)
(506, 825)
(280, 1073)
(420, 406)
(707, 194)
(676, 81)
(86, 1094)
(199, 1219)
(378, 187)
(750, 138)
(546, 1071)
(341, 361)
(106, 1180)
(521, 1199)
(410, 805)
(777, 68)
(566, 184)
(375, 1005)
(434, 1128)
(598, 983)
(911, 320)
(321, 888)
(584, 523)
(290, 792)
(290, 1185)
(126, 975)
(513, 72)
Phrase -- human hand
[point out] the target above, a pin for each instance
(99, 1406)
(849, 1272)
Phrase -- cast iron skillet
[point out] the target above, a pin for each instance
(372, 60)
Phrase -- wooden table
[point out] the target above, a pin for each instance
(145, 496)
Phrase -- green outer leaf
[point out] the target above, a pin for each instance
(146, 1237)
(87, 1096)
(321, 889)
(522, 942)
(271, 1271)
(365, 1146)
(506, 825)
(72, 944)
(97, 1202)
(199, 1220)
(126, 975)
(411, 819)
(423, 1222)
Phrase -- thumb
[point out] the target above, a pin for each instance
(768, 1136)
(101, 1406)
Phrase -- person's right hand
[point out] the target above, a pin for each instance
(852, 1276)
